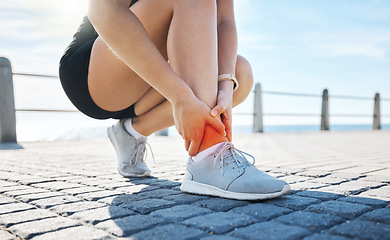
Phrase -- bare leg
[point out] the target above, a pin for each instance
(112, 84)
(184, 30)
(192, 47)
(187, 29)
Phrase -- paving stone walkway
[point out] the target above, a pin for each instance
(71, 190)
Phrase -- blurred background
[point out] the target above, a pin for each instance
(294, 46)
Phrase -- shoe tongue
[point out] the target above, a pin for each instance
(140, 153)
(229, 157)
(142, 140)
(227, 154)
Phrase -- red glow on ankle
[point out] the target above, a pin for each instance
(211, 137)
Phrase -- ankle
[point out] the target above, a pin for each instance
(129, 125)
(210, 138)
(207, 152)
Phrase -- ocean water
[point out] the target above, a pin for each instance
(310, 128)
(64, 126)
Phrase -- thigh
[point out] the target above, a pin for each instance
(244, 77)
(112, 84)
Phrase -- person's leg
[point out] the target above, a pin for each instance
(185, 50)
(112, 84)
(184, 32)
(245, 79)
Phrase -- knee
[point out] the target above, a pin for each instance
(244, 74)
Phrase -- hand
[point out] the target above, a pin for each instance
(224, 109)
(191, 115)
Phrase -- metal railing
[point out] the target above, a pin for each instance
(8, 119)
(325, 123)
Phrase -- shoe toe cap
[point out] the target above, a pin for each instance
(137, 170)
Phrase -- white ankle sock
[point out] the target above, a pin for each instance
(207, 152)
(129, 128)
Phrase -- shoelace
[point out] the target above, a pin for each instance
(229, 150)
(139, 154)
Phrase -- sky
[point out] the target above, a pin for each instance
(306, 46)
(298, 46)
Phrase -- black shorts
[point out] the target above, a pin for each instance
(73, 72)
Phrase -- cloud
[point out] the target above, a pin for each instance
(35, 33)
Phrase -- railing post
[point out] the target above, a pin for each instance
(258, 110)
(7, 103)
(325, 111)
(163, 132)
(377, 112)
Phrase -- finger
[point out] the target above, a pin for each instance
(217, 125)
(228, 127)
(187, 144)
(229, 131)
(226, 114)
(194, 148)
(217, 110)
(181, 133)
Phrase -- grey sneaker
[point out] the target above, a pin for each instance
(228, 174)
(130, 151)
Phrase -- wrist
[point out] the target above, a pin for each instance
(229, 77)
(226, 86)
(182, 94)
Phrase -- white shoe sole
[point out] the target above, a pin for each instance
(125, 174)
(204, 189)
(111, 136)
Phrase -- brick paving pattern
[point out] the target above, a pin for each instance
(71, 190)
